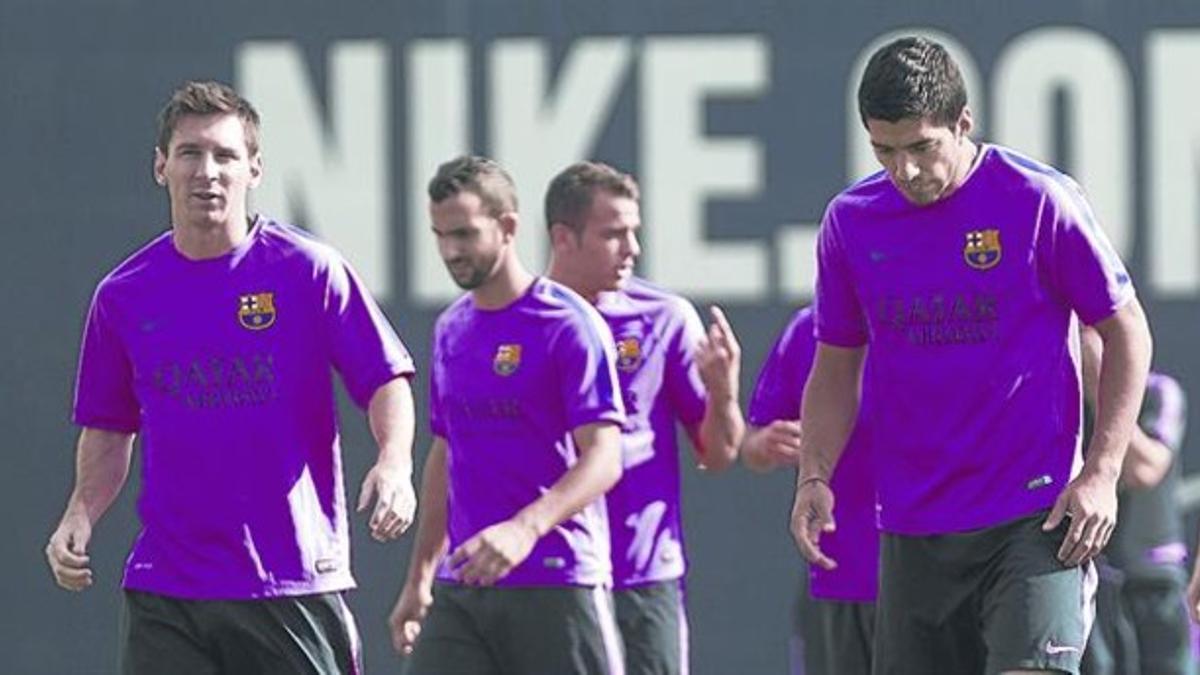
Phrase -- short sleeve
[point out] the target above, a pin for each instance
(585, 357)
(437, 423)
(840, 321)
(1078, 259)
(365, 349)
(1164, 411)
(104, 393)
(688, 397)
(779, 390)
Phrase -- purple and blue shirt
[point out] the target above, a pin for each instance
(507, 388)
(1149, 540)
(224, 368)
(778, 395)
(965, 305)
(657, 334)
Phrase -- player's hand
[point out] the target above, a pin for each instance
(493, 552)
(406, 617)
(1090, 501)
(67, 553)
(777, 444)
(812, 515)
(390, 485)
(719, 357)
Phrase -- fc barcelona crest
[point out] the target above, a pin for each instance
(629, 354)
(982, 250)
(508, 359)
(256, 311)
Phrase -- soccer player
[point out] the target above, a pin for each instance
(835, 619)
(959, 267)
(1142, 622)
(216, 344)
(526, 412)
(670, 371)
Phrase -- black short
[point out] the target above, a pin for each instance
(1141, 625)
(985, 601)
(564, 630)
(833, 637)
(308, 634)
(654, 628)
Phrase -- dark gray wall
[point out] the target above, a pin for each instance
(80, 83)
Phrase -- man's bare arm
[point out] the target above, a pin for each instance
(431, 541)
(718, 437)
(1090, 500)
(101, 468)
(389, 482)
(772, 446)
(830, 407)
(496, 550)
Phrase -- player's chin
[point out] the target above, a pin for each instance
(922, 196)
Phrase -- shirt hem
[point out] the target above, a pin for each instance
(526, 583)
(279, 590)
(831, 596)
(920, 528)
(639, 582)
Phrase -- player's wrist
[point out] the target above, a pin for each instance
(812, 479)
(529, 524)
(1105, 470)
(723, 395)
(396, 461)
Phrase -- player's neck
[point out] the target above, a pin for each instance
(509, 283)
(968, 161)
(562, 274)
(202, 242)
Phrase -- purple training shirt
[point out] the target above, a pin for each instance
(778, 395)
(507, 387)
(225, 369)
(965, 305)
(656, 334)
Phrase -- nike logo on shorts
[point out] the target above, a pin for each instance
(1052, 648)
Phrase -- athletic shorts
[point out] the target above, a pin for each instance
(654, 628)
(832, 637)
(1141, 626)
(299, 635)
(986, 601)
(474, 630)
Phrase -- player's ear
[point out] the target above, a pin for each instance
(561, 236)
(160, 167)
(509, 221)
(966, 122)
(256, 169)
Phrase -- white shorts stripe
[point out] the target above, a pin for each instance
(609, 631)
(1087, 599)
(684, 664)
(352, 634)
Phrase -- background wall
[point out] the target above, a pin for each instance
(734, 116)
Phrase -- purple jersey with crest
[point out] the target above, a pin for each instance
(507, 387)
(656, 333)
(224, 367)
(778, 395)
(966, 307)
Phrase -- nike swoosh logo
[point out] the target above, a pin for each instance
(1052, 648)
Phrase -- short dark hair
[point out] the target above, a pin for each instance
(912, 77)
(480, 176)
(571, 192)
(206, 97)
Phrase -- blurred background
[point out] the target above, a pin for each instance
(737, 118)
